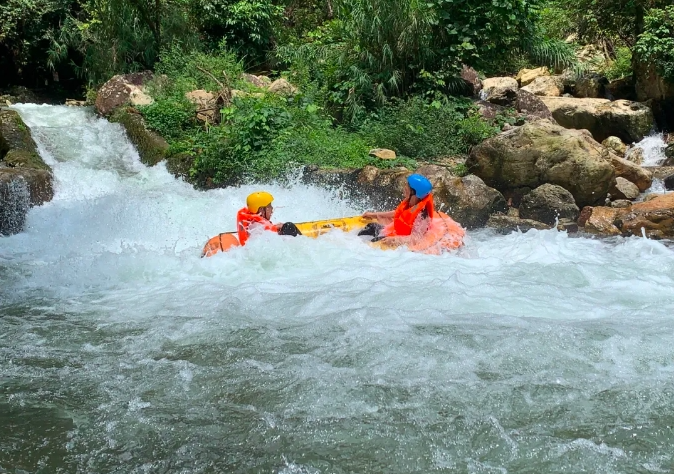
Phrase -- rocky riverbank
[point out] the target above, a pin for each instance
(569, 156)
(25, 179)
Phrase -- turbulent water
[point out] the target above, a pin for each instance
(121, 351)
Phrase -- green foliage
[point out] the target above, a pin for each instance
(656, 43)
(620, 67)
(185, 70)
(246, 25)
(422, 130)
(170, 117)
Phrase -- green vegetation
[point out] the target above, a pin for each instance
(261, 135)
(370, 73)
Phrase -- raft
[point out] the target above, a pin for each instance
(443, 234)
(225, 241)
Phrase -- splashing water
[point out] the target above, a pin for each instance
(653, 147)
(123, 351)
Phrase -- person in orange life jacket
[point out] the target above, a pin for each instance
(411, 214)
(257, 213)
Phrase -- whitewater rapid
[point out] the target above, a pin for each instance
(122, 351)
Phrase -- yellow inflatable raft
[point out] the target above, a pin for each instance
(443, 234)
(313, 229)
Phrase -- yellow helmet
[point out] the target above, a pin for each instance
(257, 200)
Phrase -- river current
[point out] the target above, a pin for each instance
(121, 351)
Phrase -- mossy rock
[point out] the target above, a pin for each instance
(179, 165)
(151, 147)
(24, 159)
(15, 135)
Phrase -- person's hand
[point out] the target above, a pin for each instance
(371, 215)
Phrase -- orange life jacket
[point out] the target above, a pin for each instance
(244, 218)
(405, 216)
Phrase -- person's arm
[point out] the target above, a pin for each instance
(380, 215)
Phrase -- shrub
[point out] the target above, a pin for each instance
(418, 129)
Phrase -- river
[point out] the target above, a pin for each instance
(121, 351)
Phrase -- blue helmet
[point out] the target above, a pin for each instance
(420, 184)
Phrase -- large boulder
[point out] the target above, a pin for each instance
(651, 86)
(123, 89)
(472, 81)
(467, 199)
(532, 106)
(549, 86)
(282, 87)
(548, 203)
(629, 121)
(591, 86)
(653, 218)
(542, 152)
(624, 189)
(632, 172)
(527, 76)
(25, 180)
(669, 182)
(500, 91)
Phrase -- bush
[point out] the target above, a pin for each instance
(621, 66)
(418, 129)
(656, 43)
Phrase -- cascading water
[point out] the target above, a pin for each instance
(122, 351)
(14, 204)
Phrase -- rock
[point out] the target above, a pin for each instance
(505, 224)
(542, 152)
(549, 86)
(616, 145)
(527, 76)
(282, 87)
(75, 103)
(500, 91)
(468, 200)
(547, 203)
(591, 86)
(138, 98)
(631, 172)
(489, 111)
(472, 80)
(532, 106)
(650, 196)
(669, 182)
(621, 89)
(654, 218)
(119, 90)
(600, 220)
(591, 55)
(659, 172)
(179, 165)
(669, 155)
(651, 86)
(629, 121)
(624, 189)
(567, 225)
(151, 147)
(383, 153)
(635, 155)
(255, 80)
(25, 180)
(621, 203)
(206, 104)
